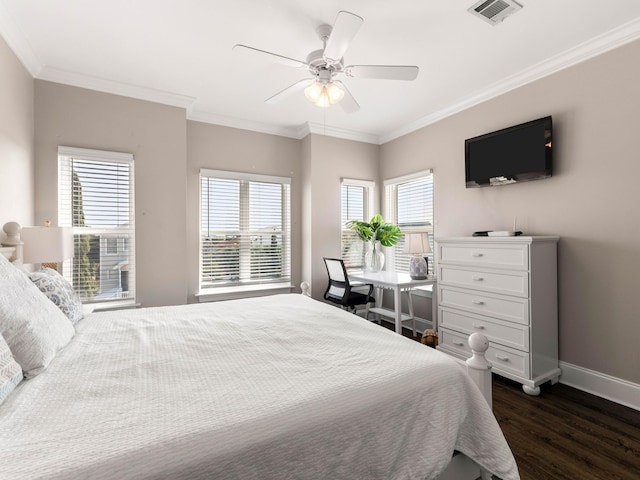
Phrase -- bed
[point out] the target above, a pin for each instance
(278, 387)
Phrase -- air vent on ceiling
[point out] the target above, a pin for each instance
(494, 11)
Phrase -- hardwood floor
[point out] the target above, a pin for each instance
(565, 433)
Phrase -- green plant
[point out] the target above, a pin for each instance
(376, 229)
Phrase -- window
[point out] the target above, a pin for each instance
(245, 229)
(409, 204)
(95, 198)
(357, 198)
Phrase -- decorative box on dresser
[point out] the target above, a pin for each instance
(507, 289)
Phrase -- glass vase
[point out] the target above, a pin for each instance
(374, 258)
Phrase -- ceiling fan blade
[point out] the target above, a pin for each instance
(291, 89)
(274, 57)
(344, 29)
(348, 103)
(386, 72)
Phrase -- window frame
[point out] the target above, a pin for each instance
(368, 209)
(66, 157)
(245, 287)
(391, 216)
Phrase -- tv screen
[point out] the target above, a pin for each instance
(515, 154)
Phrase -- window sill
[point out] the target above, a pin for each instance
(231, 293)
(107, 306)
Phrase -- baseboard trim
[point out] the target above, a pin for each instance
(611, 388)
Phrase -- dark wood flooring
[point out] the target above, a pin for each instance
(565, 433)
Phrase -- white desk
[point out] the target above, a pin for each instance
(396, 282)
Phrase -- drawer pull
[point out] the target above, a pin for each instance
(477, 254)
(459, 344)
(479, 326)
(502, 358)
(477, 302)
(477, 279)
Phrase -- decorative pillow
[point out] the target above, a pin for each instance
(33, 327)
(60, 292)
(10, 371)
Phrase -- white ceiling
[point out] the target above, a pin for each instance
(179, 52)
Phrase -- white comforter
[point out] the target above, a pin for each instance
(279, 387)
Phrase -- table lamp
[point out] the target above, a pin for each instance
(47, 245)
(417, 244)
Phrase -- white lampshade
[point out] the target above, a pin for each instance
(417, 243)
(47, 244)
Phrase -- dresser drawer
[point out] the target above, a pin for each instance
(507, 282)
(514, 257)
(454, 341)
(509, 361)
(511, 309)
(503, 360)
(512, 335)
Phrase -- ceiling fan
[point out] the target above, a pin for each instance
(328, 63)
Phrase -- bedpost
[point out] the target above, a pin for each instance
(478, 368)
(306, 289)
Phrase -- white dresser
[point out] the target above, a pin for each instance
(505, 288)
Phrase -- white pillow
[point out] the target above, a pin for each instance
(10, 371)
(34, 328)
(60, 292)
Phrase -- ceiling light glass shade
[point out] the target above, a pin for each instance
(324, 101)
(314, 91)
(335, 93)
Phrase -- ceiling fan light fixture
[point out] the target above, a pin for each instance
(324, 95)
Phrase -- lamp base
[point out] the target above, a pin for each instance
(418, 268)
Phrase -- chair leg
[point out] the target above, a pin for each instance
(366, 311)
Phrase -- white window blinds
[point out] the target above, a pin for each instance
(409, 204)
(356, 205)
(245, 229)
(96, 199)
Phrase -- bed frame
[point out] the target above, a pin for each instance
(478, 368)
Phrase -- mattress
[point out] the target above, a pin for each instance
(280, 387)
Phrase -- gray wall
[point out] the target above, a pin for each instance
(591, 201)
(327, 161)
(16, 140)
(156, 135)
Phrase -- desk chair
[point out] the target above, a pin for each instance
(341, 292)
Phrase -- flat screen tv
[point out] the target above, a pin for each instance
(515, 154)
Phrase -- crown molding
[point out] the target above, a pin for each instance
(233, 122)
(328, 130)
(603, 43)
(117, 88)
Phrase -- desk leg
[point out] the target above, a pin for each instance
(398, 307)
(379, 293)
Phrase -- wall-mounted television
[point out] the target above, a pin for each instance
(515, 154)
